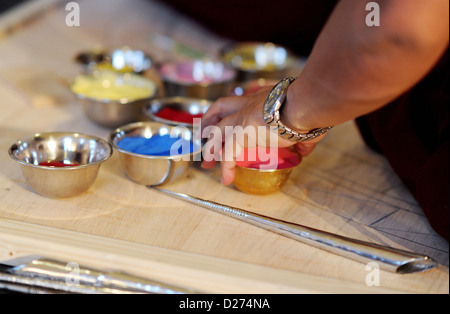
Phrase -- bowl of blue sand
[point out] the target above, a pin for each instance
(153, 153)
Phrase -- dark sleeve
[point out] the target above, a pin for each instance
(432, 189)
(413, 133)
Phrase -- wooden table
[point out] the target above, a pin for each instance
(342, 187)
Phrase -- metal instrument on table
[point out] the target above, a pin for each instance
(39, 275)
(389, 259)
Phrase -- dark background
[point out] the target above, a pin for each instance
(7, 4)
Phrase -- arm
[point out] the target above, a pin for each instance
(353, 70)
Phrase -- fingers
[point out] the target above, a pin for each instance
(306, 148)
(220, 109)
(221, 146)
(215, 136)
(231, 150)
(228, 171)
(208, 164)
(227, 106)
(232, 123)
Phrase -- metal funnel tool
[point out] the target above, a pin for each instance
(389, 259)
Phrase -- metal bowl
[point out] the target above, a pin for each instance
(265, 180)
(82, 153)
(121, 109)
(193, 106)
(253, 60)
(204, 79)
(251, 87)
(154, 170)
(124, 59)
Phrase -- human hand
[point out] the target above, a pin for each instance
(234, 123)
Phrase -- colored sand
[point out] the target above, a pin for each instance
(108, 66)
(196, 72)
(113, 86)
(262, 57)
(157, 145)
(265, 158)
(57, 164)
(177, 115)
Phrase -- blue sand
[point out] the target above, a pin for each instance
(157, 145)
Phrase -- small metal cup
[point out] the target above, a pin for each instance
(259, 181)
(213, 89)
(254, 60)
(114, 113)
(190, 105)
(88, 152)
(268, 179)
(124, 59)
(154, 170)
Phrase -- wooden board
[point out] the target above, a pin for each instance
(342, 187)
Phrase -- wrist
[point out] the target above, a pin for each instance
(297, 112)
(294, 132)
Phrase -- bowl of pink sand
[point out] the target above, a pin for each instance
(205, 79)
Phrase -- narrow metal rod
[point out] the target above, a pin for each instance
(54, 274)
(389, 259)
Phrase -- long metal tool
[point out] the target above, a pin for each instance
(389, 259)
(36, 274)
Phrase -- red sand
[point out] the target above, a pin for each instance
(266, 158)
(58, 164)
(177, 115)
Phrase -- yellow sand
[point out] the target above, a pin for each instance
(113, 86)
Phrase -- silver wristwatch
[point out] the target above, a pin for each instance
(272, 106)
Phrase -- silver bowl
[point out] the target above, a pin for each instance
(154, 170)
(83, 155)
(112, 112)
(253, 60)
(192, 106)
(251, 87)
(204, 79)
(124, 59)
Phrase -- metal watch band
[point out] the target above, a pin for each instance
(275, 100)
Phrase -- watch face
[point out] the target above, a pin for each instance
(272, 97)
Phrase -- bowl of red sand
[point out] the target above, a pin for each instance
(198, 78)
(264, 170)
(178, 111)
(59, 165)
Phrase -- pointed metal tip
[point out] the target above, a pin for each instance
(417, 265)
